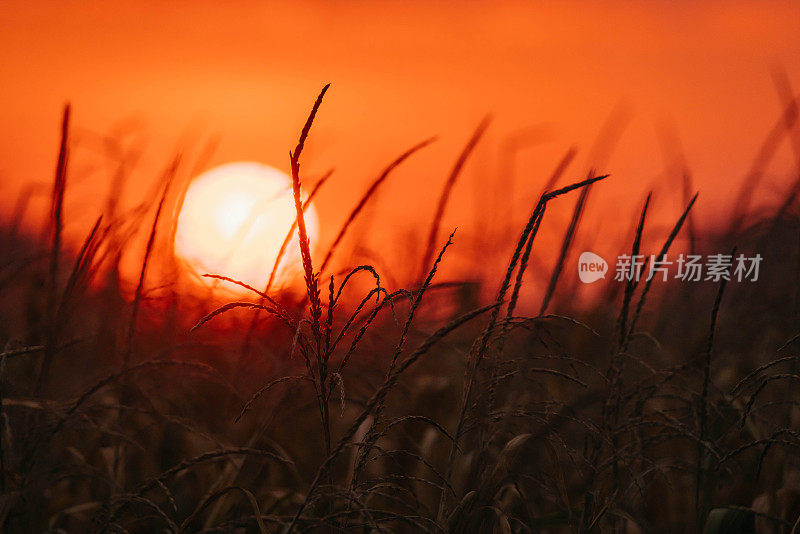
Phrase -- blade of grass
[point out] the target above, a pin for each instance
(368, 194)
(480, 346)
(56, 227)
(700, 497)
(446, 190)
(151, 240)
(378, 397)
(661, 254)
(569, 236)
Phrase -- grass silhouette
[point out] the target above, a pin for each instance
(659, 410)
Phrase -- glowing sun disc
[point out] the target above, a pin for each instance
(234, 220)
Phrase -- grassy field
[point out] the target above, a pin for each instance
(356, 406)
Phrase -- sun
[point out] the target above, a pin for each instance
(234, 221)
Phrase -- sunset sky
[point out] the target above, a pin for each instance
(172, 76)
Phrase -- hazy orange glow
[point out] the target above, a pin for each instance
(234, 220)
(233, 81)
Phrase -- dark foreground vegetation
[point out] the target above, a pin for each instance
(361, 407)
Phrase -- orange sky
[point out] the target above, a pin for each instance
(179, 73)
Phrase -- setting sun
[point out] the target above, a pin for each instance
(234, 220)
(551, 279)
